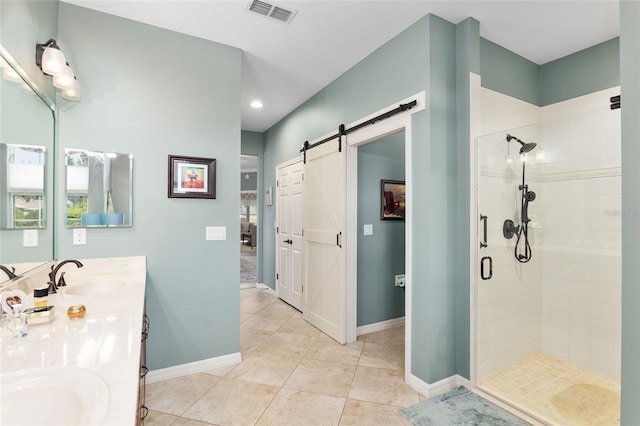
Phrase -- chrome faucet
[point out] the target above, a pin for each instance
(53, 286)
(10, 272)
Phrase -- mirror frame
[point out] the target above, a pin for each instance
(11, 62)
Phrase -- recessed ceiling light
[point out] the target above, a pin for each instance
(256, 104)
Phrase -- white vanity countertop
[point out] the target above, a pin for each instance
(106, 342)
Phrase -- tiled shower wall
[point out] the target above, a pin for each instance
(580, 204)
(566, 300)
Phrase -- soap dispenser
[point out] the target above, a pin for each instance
(17, 323)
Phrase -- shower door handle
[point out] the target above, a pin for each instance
(483, 244)
(483, 275)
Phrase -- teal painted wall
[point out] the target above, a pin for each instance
(467, 61)
(630, 111)
(252, 143)
(509, 73)
(23, 24)
(584, 72)
(136, 101)
(587, 71)
(420, 58)
(381, 255)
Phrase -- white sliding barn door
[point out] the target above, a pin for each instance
(290, 243)
(325, 237)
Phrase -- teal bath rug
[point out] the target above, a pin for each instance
(459, 407)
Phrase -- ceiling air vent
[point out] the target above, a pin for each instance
(272, 11)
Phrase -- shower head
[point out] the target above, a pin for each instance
(526, 147)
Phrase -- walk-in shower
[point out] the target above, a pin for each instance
(522, 250)
(547, 321)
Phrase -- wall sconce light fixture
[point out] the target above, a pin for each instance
(52, 62)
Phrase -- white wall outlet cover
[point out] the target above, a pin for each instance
(30, 238)
(79, 236)
(368, 229)
(216, 233)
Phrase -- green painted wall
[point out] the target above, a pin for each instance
(23, 24)
(252, 143)
(587, 71)
(136, 101)
(381, 255)
(420, 58)
(630, 111)
(509, 73)
(584, 72)
(467, 61)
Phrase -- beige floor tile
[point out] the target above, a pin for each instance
(390, 336)
(285, 343)
(267, 369)
(292, 407)
(245, 316)
(295, 325)
(328, 378)
(252, 306)
(382, 386)
(181, 421)
(382, 356)
(279, 308)
(174, 396)
(156, 418)
(265, 322)
(232, 402)
(371, 414)
(221, 371)
(251, 338)
(325, 348)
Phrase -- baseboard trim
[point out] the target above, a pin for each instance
(437, 388)
(379, 326)
(193, 367)
(261, 286)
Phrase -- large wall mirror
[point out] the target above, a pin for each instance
(98, 188)
(27, 132)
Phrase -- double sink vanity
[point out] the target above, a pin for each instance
(82, 371)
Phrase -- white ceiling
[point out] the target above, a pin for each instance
(283, 65)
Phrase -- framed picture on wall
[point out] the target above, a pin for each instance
(392, 199)
(192, 177)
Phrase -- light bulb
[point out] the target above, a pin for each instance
(509, 160)
(53, 61)
(65, 80)
(256, 104)
(72, 94)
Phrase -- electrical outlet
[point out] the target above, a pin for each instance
(79, 236)
(400, 281)
(30, 238)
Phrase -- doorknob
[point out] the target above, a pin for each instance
(288, 241)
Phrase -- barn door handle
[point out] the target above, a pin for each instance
(482, 271)
(339, 239)
(484, 244)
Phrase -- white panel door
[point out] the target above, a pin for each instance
(289, 234)
(325, 290)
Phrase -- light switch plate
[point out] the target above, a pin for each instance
(368, 229)
(79, 236)
(216, 233)
(30, 238)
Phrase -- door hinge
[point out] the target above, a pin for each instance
(277, 276)
(303, 232)
(277, 229)
(278, 183)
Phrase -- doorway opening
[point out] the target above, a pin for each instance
(248, 220)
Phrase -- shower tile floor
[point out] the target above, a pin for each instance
(557, 392)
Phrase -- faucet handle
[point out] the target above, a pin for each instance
(61, 281)
(52, 287)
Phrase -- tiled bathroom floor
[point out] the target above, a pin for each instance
(291, 374)
(557, 392)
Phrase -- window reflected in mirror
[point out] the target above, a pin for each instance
(24, 190)
(98, 189)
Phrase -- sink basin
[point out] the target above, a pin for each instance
(94, 287)
(52, 396)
